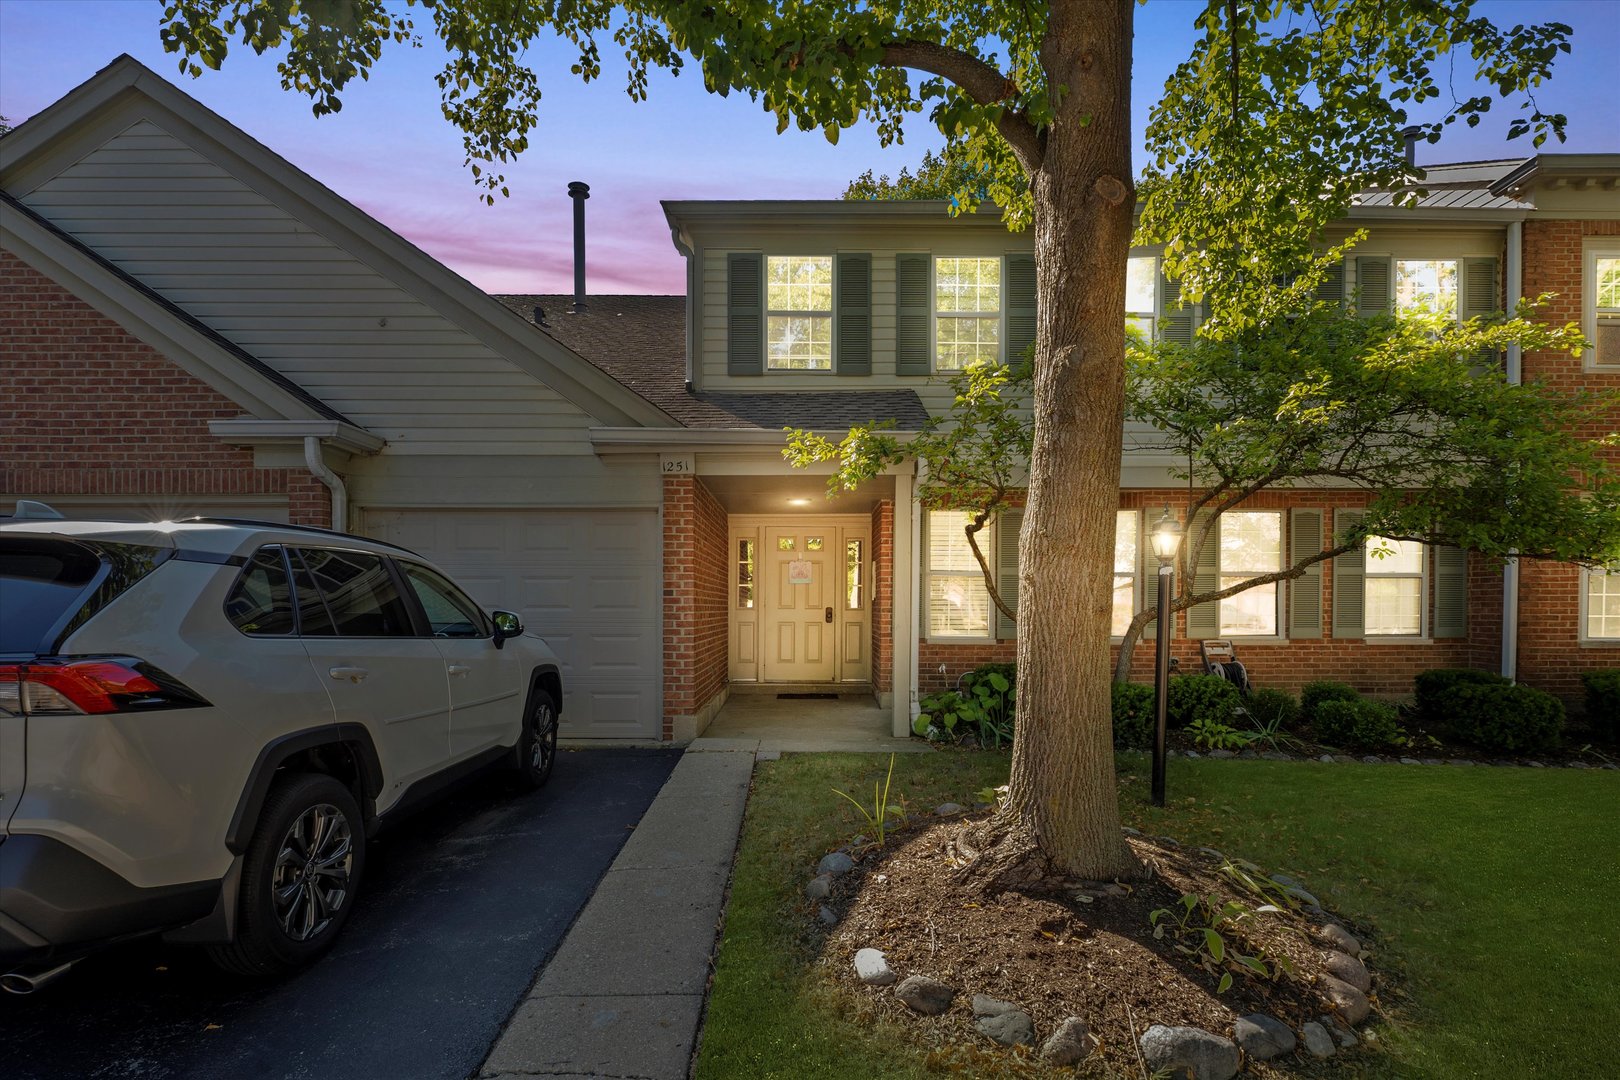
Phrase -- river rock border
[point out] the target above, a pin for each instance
(1184, 1051)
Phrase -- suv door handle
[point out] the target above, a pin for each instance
(458, 669)
(353, 674)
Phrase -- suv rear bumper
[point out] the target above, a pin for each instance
(57, 902)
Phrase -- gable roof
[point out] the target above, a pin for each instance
(641, 341)
(200, 350)
(33, 153)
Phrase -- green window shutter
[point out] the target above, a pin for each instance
(853, 316)
(1008, 525)
(1375, 282)
(1020, 306)
(1177, 321)
(1305, 591)
(1478, 298)
(1331, 287)
(912, 312)
(1450, 592)
(1349, 579)
(1148, 574)
(745, 314)
(1204, 620)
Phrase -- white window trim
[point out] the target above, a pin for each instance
(1584, 639)
(987, 544)
(1425, 602)
(1282, 555)
(934, 315)
(831, 315)
(1591, 251)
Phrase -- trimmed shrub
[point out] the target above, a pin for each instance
(1502, 717)
(1315, 693)
(1268, 705)
(1603, 702)
(1433, 689)
(1133, 716)
(1362, 723)
(1207, 697)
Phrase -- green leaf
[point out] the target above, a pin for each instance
(1225, 983)
(1215, 944)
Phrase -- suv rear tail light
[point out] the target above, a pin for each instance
(68, 687)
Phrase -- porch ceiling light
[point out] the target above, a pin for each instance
(1166, 538)
(798, 502)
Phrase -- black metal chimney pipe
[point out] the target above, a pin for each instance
(579, 191)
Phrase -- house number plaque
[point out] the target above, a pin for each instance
(676, 464)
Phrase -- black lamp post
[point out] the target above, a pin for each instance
(1166, 541)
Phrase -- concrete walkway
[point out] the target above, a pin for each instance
(770, 726)
(623, 996)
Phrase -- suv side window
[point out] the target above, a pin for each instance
(450, 612)
(260, 602)
(360, 594)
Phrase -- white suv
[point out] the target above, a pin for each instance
(202, 723)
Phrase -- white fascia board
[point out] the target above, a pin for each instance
(257, 433)
(686, 440)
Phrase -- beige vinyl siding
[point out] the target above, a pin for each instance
(204, 240)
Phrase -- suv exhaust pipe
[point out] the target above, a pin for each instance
(23, 981)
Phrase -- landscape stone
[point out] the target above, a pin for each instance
(1410, 761)
(1317, 1040)
(1336, 936)
(1277, 755)
(835, 864)
(1459, 761)
(873, 969)
(926, 995)
(1328, 758)
(1373, 759)
(1205, 1056)
(1349, 969)
(828, 917)
(1301, 895)
(1285, 880)
(1222, 754)
(947, 809)
(1348, 1002)
(1191, 753)
(1128, 831)
(1068, 1044)
(1013, 1028)
(1263, 1037)
(985, 1005)
(820, 887)
(1343, 1035)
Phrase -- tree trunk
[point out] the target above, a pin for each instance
(1063, 791)
(1127, 645)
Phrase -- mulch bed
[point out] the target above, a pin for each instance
(1055, 956)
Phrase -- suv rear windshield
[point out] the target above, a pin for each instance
(46, 586)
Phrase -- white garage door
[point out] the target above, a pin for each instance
(586, 581)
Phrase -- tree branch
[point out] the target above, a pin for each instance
(980, 81)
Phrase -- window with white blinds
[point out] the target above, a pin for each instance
(1394, 588)
(1250, 545)
(958, 602)
(1126, 566)
(1601, 291)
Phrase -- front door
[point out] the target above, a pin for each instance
(802, 576)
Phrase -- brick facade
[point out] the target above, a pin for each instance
(697, 575)
(92, 410)
(883, 597)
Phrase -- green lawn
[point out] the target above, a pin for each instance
(1494, 892)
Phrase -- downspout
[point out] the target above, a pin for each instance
(1515, 375)
(340, 494)
(917, 630)
(689, 253)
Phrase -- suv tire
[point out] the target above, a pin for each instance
(536, 750)
(300, 876)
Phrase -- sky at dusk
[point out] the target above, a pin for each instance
(391, 152)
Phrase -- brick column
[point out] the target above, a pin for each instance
(697, 591)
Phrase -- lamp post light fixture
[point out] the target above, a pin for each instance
(1166, 541)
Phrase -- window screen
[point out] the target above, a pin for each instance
(360, 595)
(260, 602)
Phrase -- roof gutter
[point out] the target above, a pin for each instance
(650, 440)
(1514, 364)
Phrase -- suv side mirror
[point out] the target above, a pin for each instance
(507, 625)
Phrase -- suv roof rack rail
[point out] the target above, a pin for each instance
(316, 529)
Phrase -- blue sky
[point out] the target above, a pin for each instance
(391, 152)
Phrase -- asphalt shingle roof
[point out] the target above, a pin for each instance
(641, 342)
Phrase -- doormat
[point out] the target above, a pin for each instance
(806, 697)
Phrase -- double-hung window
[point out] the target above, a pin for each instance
(958, 602)
(1601, 290)
(1426, 286)
(1250, 545)
(798, 313)
(1601, 605)
(967, 312)
(1394, 585)
(1142, 295)
(1126, 564)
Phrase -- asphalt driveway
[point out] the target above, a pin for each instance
(463, 904)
